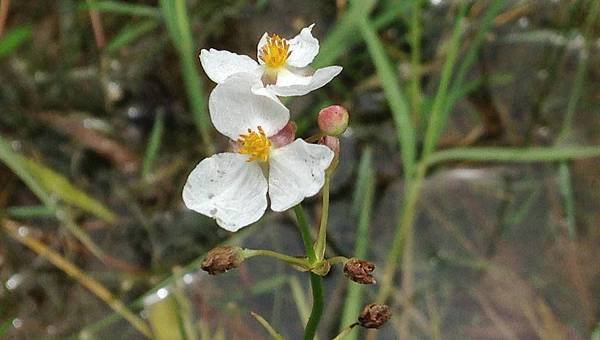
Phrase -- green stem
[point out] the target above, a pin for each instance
(322, 237)
(345, 331)
(337, 260)
(316, 283)
(296, 261)
(305, 232)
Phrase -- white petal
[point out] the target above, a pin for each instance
(261, 43)
(219, 65)
(234, 108)
(289, 77)
(296, 171)
(321, 77)
(303, 48)
(227, 188)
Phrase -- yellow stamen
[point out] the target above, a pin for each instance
(255, 144)
(275, 52)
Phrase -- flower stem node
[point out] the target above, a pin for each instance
(374, 315)
(333, 120)
(221, 259)
(321, 268)
(332, 143)
(359, 271)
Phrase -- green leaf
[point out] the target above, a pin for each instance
(394, 95)
(178, 26)
(153, 145)
(515, 155)
(130, 33)
(59, 185)
(13, 39)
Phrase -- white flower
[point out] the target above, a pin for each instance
(282, 65)
(232, 187)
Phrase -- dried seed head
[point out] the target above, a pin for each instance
(221, 259)
(374, 315)
(359, 271)
(333, 120)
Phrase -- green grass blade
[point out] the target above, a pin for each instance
(415, 32)
(18, 166)
(121, 7)
(346, 34)
(340, 36)
(153, 145)
(439, 116)
(13, 39)
(513, 155)
(130, 33)
(299, 296)
(363, 203)
(13, 161)
(4, 327)
(34, 211)
(486, 24)
(566, 189)
(394, 95)
(57, 184)
(177, 22)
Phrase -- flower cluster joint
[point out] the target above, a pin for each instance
(374, 315)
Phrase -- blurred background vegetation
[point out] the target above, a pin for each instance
(103, 114)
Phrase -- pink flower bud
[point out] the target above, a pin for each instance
(334, 144)
(285, 136)
(333, 120)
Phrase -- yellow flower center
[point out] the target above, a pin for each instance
(255, 144)
(275, 52)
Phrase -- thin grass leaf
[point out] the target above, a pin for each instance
(469, 58)
(299, 296)
(131, 33)
(12, 160)
(121, 7)
(16, 164)
(163, 318)
(153, 145)
(345, 34)
(272, 332)
(57, 184)
(13, 39)
(566, 190)
(415, 31)
(513, 155)
(4, 327)
(397, 101)
(24, 212)
(439, 116)
(340, 35)
(363, 204)
(177, 22)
